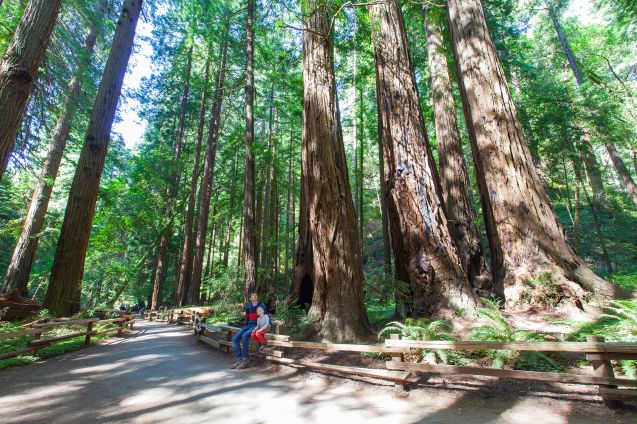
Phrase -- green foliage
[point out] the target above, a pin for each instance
(294, 320)
(498, 329)
(423, 329)
(541, 291)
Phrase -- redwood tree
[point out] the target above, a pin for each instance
(525, 236)
(19, 68)
(249, 224)
(19, 268)
(207, 178)
(337, 312)
(185, 259)
(424, 248)
(453, 169)
(171, 193)
(63, 295)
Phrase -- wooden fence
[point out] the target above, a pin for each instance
(35, 332)
(598, 352)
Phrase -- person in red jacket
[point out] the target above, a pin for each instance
(263, 325)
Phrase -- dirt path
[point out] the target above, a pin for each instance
(162, 376)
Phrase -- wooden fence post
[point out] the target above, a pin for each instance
(603, 368)
(35, 348)
(397, 357)
(121, 328)
(89, 330)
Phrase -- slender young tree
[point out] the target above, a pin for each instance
(249, 236)
(337, 312)
(19, 69)
(454, 177)
(171, 192)
(19, 268)
(525, 237)
(207, 176)
(185, 259)
(425, 250)
(63, 295)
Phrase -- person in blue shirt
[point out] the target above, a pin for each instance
(241, 340)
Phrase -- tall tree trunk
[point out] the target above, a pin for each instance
(207, 177)
(590, 160)
(361, 155)
(19, 68)
(249, 230)
(171, 194)
(233, 195)
(383, 193)
(432, 267)
(337, 312)
(288, 210)
(525, 236)
(185, 259)
(19, 268)
(622, 171)
(454, 177)
(63, 295)
(633, 156)
(265, 241)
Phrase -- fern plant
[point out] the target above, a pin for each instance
(624, 313)
(499, 329)
(423, 329)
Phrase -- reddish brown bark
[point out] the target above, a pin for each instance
(185, 258)
(249, 235)
(337, 312)
(525, 236)
(171, 194)
(454, 177)
(19, 268)
(63, 295)
(207, 178)
(19, 68)
(438, 284)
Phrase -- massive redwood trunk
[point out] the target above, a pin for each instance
(207, 177)
(63, 295)
(525, 236)
(19, 68)
(19, 268)
(453, 169)
(622, 171)
(185, 258)
(431, 265)
(337, 312)
(249, 236)
(171, 195)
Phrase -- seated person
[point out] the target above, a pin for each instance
(241, 340)
(263, 325)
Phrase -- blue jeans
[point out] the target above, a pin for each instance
(243, 338)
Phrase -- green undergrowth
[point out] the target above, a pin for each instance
(617, 324)
(57, 348)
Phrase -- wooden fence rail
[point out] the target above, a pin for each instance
(37, 330)
(597, 351)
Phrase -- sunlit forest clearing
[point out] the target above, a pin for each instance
(385, 175)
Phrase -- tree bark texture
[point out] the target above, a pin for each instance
(249, 235)
(525, 236)
(439, 285)
(185, 258)
(337, 311)
(454, 177)
(19, 69)
(207, 177)
(63, 295)
(19, 268)
(171, 194)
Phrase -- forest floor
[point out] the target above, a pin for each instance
(163, 375)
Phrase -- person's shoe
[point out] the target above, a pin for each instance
(244, 364)
(236, 364)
